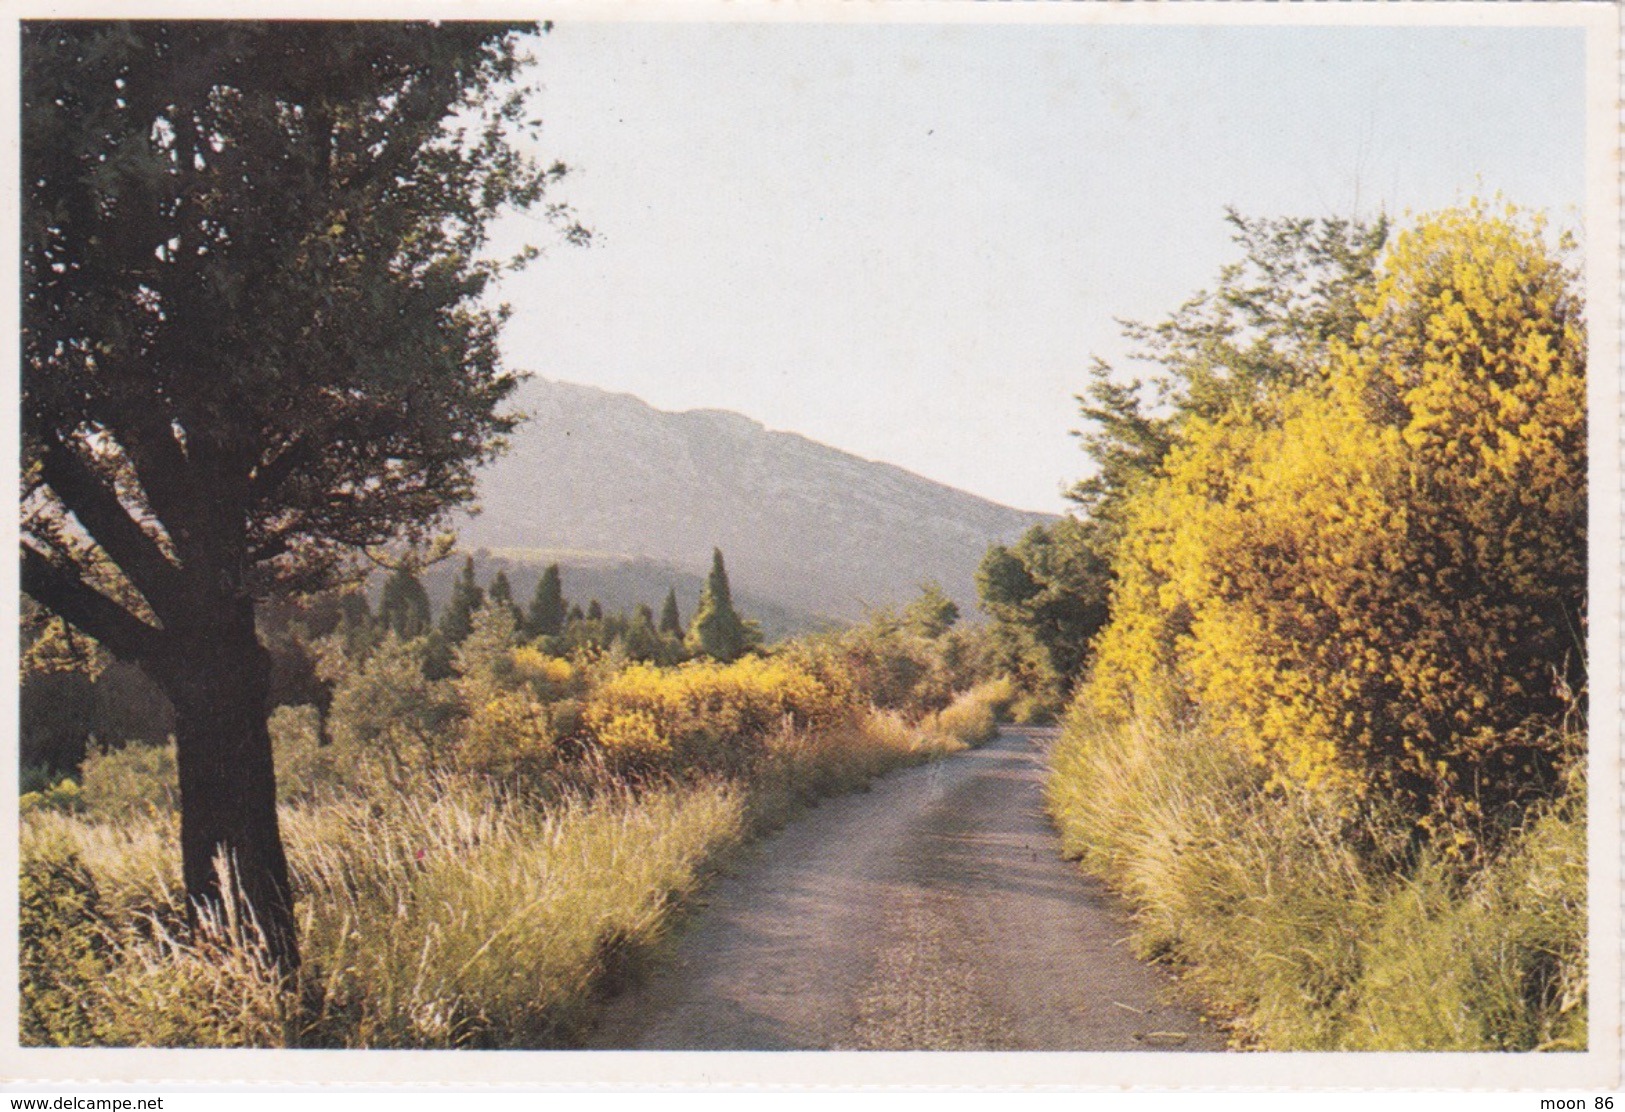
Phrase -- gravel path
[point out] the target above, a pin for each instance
(933, 912)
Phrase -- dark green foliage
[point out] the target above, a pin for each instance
(501, 594)
(547, 611)
(1266, 324)
(56, 709)
(72, 694)
(670, 620)
(642, 641)
(1125, 441)
(255, 336)
(899, 668)
(893, 667)
(403, 608)
(583, 635)
(457, 619)
(1047, 595)
(933, 613)
(342, 612)
(595, 612)
(294, 671)
(357, 628)
(62, 950)
(717, 630)
(437, 656)
(129, 708)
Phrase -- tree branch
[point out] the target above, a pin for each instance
(62, 591)
(109, 523)
(274, 472)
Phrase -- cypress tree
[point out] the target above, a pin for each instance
(466, 597)
(595, 612)
(670, 620)
(547, 610)
(717, 629)
(358, 628)
(403, 609)
(501, 594)
(642, 641)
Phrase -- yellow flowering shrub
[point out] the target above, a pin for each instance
(550, 677)
(1379, 582)
(508, 733)
(633, 735)
(706, 715)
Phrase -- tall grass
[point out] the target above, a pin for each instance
(1315, 929)
(798, 767)
(459, 916)
(445, 911)
(972, 717)
(471, 919)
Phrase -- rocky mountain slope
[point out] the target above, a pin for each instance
(814, 529)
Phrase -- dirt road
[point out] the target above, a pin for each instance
(933, 912)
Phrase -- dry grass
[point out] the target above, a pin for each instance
(457, 917)
(472, 919)
(1295, 922)
(447, 911)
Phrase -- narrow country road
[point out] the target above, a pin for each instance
(931, 913)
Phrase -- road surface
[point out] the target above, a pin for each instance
(931, 913)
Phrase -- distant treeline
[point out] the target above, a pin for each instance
(619, 583)
(74, 695)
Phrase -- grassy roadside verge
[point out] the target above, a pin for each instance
(447, 912)
(1314, 931)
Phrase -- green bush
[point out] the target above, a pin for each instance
(971, 718)
(385, 710)
(138, 779)
(61, 946)
(64, 795)
(304, 766)
(1503, 953)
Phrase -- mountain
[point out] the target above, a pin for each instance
(812, 529)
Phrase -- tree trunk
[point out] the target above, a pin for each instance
(218, 682)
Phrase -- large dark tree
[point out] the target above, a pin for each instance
(547, 611)
(457, 620)
(403, 607)
(1047, 595)
(254, 338)
(717, 629)
(671, 621)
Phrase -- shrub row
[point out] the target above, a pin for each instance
(1331, 745)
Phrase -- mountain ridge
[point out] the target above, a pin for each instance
(814, 528)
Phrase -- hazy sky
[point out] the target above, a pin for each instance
(907, 241)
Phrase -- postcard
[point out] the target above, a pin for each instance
(804, 543)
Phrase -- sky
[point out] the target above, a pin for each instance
(908, 241)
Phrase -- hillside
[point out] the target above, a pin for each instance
(805, 526)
